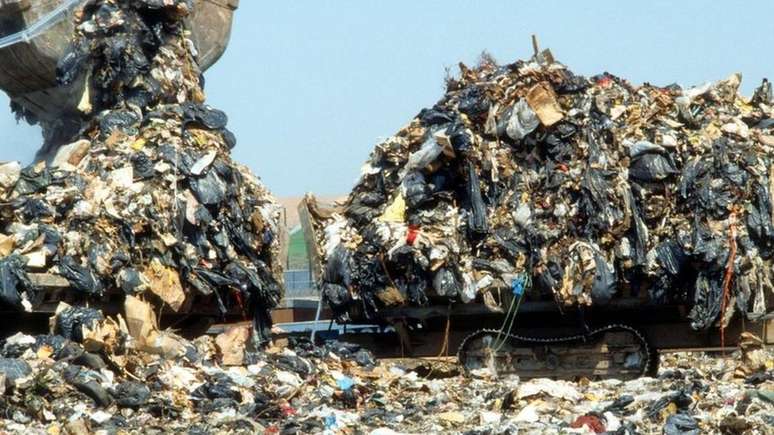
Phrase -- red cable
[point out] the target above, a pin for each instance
(728, 277)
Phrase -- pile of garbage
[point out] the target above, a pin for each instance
(104, 379)
(147, 201)
(581, 190)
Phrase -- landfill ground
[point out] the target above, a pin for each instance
(524, 181)
(54, 387)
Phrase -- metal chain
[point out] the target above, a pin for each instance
(578, 337)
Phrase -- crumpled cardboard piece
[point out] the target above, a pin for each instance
(106, 335)
(754, 357)
(143, 328)
(7, 244)
(542, 99)
(231, 344)
(390, 296)
(71, 154)
(165, 283)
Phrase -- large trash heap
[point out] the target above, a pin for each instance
(579, 189)
(147, 201)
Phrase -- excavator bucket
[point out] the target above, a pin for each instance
(28, 68)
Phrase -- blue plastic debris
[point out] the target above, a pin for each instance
(345, 383)
(517, 286)
(330, 421)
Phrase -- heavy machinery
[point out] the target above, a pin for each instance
(621, 339)
(37, 34)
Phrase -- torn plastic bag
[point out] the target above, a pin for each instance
(365, 358)
(681, 399)
(692, 171)
(681, 424)
(459, 138)
(209, 189)
(36, 209)
(415, 189)
(338, 298)
(671, 257)
(759, 221)
(445, 283)
(80, 277)
(87, 382)
(13, 369)
(416, 291)
(652, 167)
(643, 147)
(13, 279)
(752, 287)
(124, 121)
(522, 120)
(177, 158)
(33, 179)
(69, 322)
(295, 364)
(71, 65)
(708, 296)
(421, 158)
(130, 394)
(131, 281)
(473, 102)
(338, 267)
(619, 404)
(219, 387)
(477, 219)
(434, 116)
(262, 322)
(145, 94)
(605, 281)
(204, 115)
(142, 165)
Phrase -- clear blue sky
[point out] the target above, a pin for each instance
(311, 86)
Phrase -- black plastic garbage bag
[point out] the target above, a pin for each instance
(605, 281)
(416, 189)
(708, 295)
(80, 277)
(70, 321)
(130, 394)
(445, 283)
(337, 296)
(124, 121)
(681, 398)
(13, 279)
(209, 189)
(477, 220)
(87, 382)
(652, 167)
(204, 115)
(338, 267)
(32, 180)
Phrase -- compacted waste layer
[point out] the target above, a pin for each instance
(52, 385)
